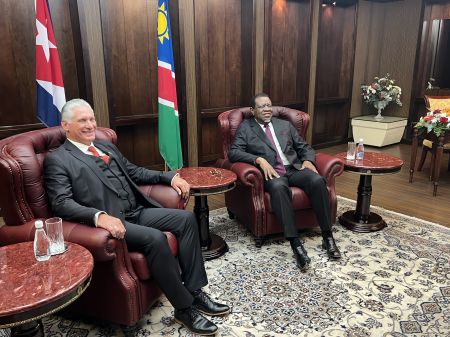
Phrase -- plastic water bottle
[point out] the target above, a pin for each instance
(360, 150)
(41, 242)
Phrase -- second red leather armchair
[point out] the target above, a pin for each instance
(248, 201)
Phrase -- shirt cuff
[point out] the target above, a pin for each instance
(176, 175)
(96, 217)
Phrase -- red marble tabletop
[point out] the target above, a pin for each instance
(26, 283)
(373, 163)
(208, 178)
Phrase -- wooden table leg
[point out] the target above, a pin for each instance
(362, 220)
(213, 246)
(31, 329)
(437, 163)
(412, 163)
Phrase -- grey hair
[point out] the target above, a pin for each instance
(67, 109)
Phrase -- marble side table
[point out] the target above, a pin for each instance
(205, 181)
(361, 219)
(31, 290)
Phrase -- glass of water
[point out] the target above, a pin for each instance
(55, 235)
(351, 151)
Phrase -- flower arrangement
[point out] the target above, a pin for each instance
(381, 92)
(437, 121)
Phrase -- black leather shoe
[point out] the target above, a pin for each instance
(302, 258)
(205, 305)
(330, 246)
(195, 322)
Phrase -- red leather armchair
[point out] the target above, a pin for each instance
(248, 201)
(122, 289)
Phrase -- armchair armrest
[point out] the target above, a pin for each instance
(98, 241)
(165, 195)
(247, 175)
(329, 167)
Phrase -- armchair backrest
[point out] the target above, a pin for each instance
(23, 197)
(230, 120)
(437, 102)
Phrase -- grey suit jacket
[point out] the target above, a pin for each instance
(77, 188)
(251, 142)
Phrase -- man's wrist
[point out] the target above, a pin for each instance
(96, 216)
(176, 175)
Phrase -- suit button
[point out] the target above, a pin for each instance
(121, 212)
(118, 195)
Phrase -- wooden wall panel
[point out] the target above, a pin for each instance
(335, 52)
(224, 79)
(335, 61)
(286, 54)
(17, 61)
(130, 47)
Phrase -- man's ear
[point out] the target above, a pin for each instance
(252, 111)
(64, 125)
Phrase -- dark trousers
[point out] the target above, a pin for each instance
(144, 234)
(314, 186)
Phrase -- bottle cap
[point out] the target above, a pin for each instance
(38, 224)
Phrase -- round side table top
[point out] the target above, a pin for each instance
(373, 163)
(208, 180)
(26, 284)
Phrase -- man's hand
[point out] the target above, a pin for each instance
(112, 225)
(181, 186)
(268, 170)
(308, 165)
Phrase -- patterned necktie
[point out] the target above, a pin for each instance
(94, 151)
(279, 167)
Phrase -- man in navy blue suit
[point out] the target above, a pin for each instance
(285, 159)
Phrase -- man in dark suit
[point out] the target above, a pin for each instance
(285, 159)
(91, 182)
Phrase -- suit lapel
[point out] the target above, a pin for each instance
(113, 156)
(256, 128)
(74, 151)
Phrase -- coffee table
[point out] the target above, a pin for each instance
(31, 290)
(206, 181)
(361, 219)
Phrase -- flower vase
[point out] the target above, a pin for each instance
(379, 105)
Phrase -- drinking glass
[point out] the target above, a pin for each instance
(55, 235)
(351, 151)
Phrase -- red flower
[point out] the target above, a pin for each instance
(437, 111)
(428, 118)
(443, 120)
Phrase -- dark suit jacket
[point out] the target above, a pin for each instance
(251, 142)
(77, 188)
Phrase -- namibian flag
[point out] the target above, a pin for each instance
(168, 123)
(50, 86)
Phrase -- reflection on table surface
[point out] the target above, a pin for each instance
(26, 283)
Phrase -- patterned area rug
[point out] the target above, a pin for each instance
(394, 282)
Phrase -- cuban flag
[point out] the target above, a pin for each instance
(50, 86)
